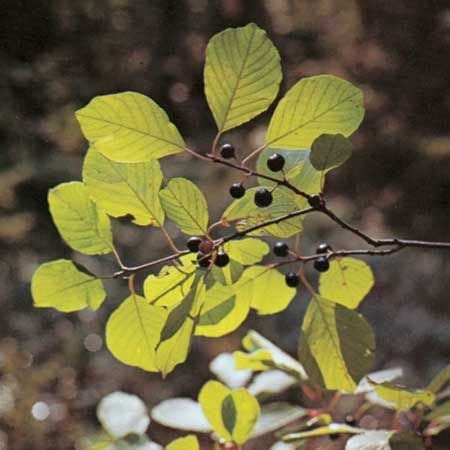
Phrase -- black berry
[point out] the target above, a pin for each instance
(237, 190)
(323, 248)
(206, 246)
(315, 201)
(227, 151)
(292, 279)
(193, 243)
(321, 264)
(275, 163)
(203, 260)
(263, 198)
(281, 249)
(222, 259)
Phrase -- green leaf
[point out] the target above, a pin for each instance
(242, 75)
(246, 213)
(403, 398)
(329, 151)
(133, 331)
(266, 289)
(227, 275)
(264, 355)
(172, 283)
(347, 282)
(222, 312)
(129, 127)
(178, 330)
(314, 106)
(247, 251)
(297, 168)
(83, 225)
(185, 205)
(440, 380)
(231, 413)
(338, 342)
(181, 312)
(66, 286)
(332, 428)
(121, 414)
(122, 189)
(184, 443)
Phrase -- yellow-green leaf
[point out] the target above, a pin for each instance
(266, 288)
(347, 282)
(229, 274)
(133, 331)
(329, 151)
(314, 106)
(66, 286)
(245, 213)
(336, 345)
(175, 350)
(185, 205)
(184, 443)
(332, 428)
(222, 311)
(247, 251)
(81, 223)
(297, 168)
(403, 398)
(231, 413)
(179, 328)
(242, 75)
(129, 127)
(440, 380)
(172, 283)
(264, 355)
(122, 189)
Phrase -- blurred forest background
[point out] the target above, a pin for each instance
(57, 54)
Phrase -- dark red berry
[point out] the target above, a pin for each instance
(227, 151)
(292, 279)
(263, 198)
(193, 243)
(237, 190)
(323, 248)
(203, 260)
(281, 249)
(315, 201)
(275, 163)
(206, 246)
(222, 259)
(321, 264)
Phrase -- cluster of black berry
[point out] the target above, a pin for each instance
(263, 197)
(204, 249)
(321, 264)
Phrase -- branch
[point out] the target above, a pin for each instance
(323, 208)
